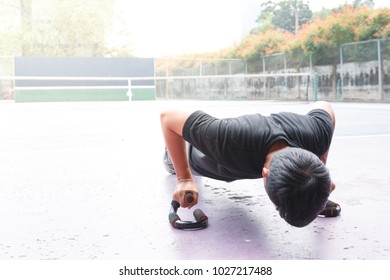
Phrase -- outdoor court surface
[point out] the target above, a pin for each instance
(85, 181)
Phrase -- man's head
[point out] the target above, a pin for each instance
(298, 183)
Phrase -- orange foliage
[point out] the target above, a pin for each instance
(343, 27)
(320, 36)
(257, 45)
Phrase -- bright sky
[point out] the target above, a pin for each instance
(171, 27)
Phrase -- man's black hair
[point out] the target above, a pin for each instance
(298, 183)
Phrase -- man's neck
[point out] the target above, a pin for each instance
(278, 146)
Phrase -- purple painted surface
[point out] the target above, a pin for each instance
(85, 181)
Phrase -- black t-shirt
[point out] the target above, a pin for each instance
(235, 148)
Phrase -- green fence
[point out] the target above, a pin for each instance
(359, 71)
(365, 71)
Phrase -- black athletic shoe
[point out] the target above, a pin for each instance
(332, 209)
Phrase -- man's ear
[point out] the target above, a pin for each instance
(332, 186)
(265, 172)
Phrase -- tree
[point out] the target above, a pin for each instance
(26, 20)
(288, 14)
(322, 38)
(254, 46)
(65, 28)
(360, 3)
(73, 28)
(373, 25)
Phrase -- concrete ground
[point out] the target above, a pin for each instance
(85, 181)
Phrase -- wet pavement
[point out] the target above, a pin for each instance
(85, 181)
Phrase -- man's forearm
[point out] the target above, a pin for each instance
(172, 123)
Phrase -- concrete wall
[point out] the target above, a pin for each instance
(214, 88)
(360, 82)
